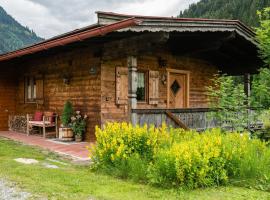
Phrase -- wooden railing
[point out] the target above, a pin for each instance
(192, 118)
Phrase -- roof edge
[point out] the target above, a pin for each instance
(64, 40)
(143, 17)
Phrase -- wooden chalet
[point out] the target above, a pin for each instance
(127, 68)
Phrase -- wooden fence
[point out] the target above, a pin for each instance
(193, 118)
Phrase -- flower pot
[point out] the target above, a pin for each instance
(78, 138)
(66, 134)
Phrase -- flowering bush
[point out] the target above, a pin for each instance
(174, 157)
(118, 141)
(78, 123)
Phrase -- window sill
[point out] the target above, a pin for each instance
(30, 102)
(141, 102)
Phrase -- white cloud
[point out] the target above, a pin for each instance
(52, 17)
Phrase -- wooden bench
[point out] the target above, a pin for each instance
(48, 120)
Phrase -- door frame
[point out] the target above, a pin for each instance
(187, 74)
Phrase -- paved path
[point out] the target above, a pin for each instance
(10, 192)
(75, 150)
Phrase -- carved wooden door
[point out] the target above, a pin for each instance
(177, 90)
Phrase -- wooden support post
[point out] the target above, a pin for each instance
(247, 92)
(132, 88)
(247, 84)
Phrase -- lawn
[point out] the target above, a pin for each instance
(78, 182)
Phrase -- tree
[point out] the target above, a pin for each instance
(263, 35)
(67, 114)
(230, 100)
(244, 10)
(261, 84)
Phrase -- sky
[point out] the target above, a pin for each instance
(49, 18)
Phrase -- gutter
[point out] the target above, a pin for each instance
(45, 45)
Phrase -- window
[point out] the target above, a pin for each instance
(141, 86)
(175, 87)
(31, 89)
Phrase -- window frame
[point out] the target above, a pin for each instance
(146, 74)
(33, 87)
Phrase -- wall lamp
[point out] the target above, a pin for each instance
(162, 62)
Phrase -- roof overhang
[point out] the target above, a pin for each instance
(111, 22)
(71, 37)
(170, 24)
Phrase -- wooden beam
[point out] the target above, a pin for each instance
(135, 45)
(247, 85)
(132, 87)
(176, 120)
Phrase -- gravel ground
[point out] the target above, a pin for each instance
(8, 191)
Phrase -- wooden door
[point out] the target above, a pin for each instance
(177, 93)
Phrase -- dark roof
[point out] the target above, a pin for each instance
(71, 37)
(171, 24)
(111, 22)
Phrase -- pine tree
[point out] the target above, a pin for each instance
(244, 10)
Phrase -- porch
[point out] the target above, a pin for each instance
(75, 151)
(198, 119)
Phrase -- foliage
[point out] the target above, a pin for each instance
(265, 117)
(263, 35)
(78, 123)
(75, 182)
(261, 82)
(244, 10)
(261, 89)
(264, 134)
(177, 158)
(67, 113)
(13, 35)
(117, 142)
(229, 97)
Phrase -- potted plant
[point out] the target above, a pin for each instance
(78, 125)
(65, 131)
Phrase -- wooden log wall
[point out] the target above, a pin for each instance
(7, 96)
(201, 74)
(94, 94)
(83, 90)
(110, 112)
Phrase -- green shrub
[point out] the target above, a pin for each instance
(170, 157)
(67, 113)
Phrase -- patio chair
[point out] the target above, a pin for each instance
(42, 120)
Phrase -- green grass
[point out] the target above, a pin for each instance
(78, 182)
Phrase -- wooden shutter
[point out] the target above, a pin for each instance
(121, 86)
(21, 90)
(39, 90)
(153, 87)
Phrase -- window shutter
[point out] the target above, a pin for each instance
(121, 86)
(153, 87)
(39, 90)
(21, 90)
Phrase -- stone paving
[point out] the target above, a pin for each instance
(77, 151)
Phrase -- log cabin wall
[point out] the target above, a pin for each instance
(7, 98)
(201, 74)
(83, 90)
(110, 112)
